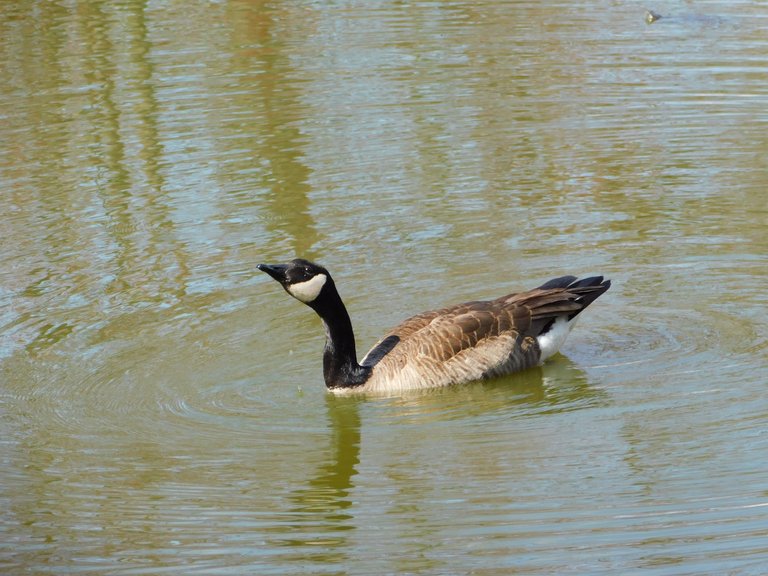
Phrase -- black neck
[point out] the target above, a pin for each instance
(340, 366)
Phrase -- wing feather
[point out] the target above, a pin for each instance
(440, 335)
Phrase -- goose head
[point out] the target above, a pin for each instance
(302, 279)
(311, 284)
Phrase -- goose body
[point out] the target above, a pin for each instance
(453, 345)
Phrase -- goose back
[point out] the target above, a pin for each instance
(478, 339)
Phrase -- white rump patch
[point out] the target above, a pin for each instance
(309, 290)
(550, 342)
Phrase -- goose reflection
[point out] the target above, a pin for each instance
(321, 508)
(560, 386)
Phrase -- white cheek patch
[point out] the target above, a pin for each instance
(309, 290)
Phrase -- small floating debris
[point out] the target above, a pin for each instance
(651, 16)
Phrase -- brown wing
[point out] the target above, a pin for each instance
(546, 303)
(408, 328)
(442, 334)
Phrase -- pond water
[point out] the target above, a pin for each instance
(162, 409)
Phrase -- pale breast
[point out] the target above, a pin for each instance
(491, 357)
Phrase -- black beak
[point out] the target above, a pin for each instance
(277, 271)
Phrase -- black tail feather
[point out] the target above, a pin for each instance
(584, 291)
(591, 281)
(588, 290)
(561, 282)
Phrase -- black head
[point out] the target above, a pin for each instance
(302, 279)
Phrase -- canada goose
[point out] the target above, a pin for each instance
(453, 345)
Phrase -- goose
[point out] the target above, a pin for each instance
(455, 345)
